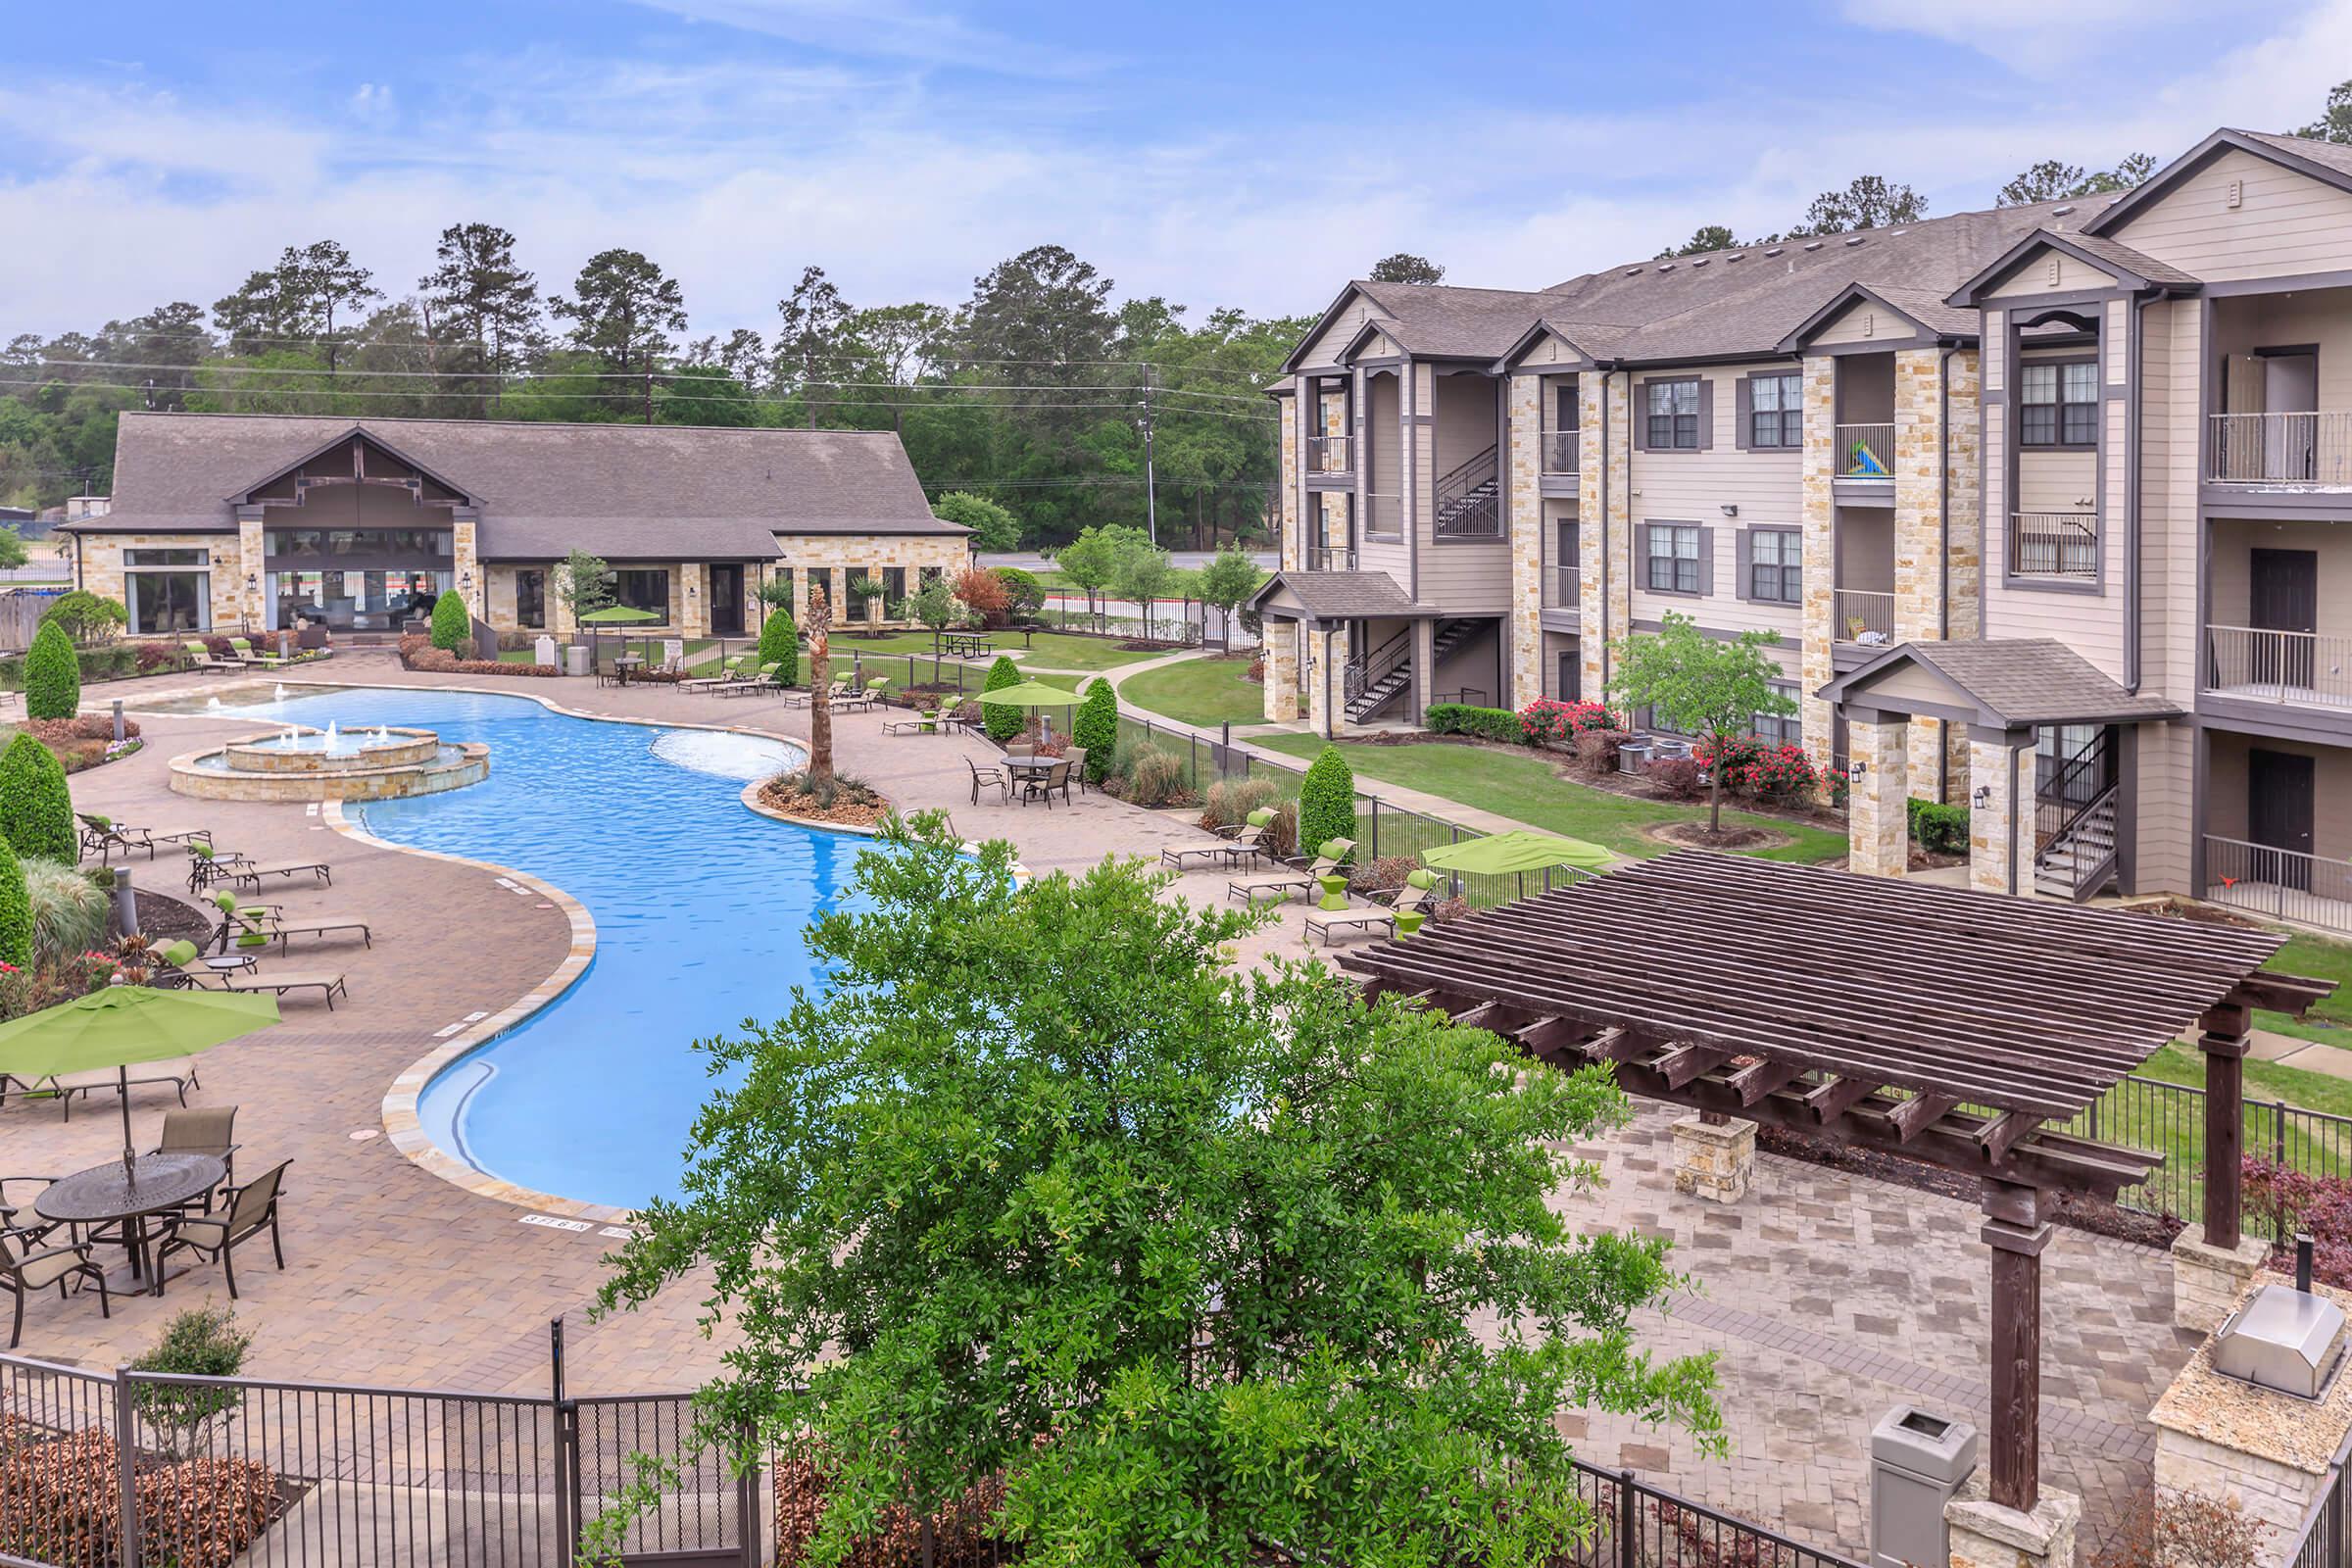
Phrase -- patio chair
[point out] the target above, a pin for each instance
(215, 1238)
(242, 650)
(25, 1268)
(1077, 757)
(731, 672)
(106, 835)
(177, 1071)
(250, 872)
(168, 966)
(1243, 845)
(924, 722)
(1057, 777)
(766, 678)
(31, 1227)
(1416, 897)
(279, 928)
(280, 981)
(200, 657)
(1304, 876)
(208, 866)
(202, 1132)
(989, 775)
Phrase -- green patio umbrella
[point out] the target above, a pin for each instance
(1517, 851)
(614, 615)
(123, 1027)
(1032, 694)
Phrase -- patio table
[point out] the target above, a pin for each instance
(110, 1194)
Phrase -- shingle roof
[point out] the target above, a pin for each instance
(1342, 595)
(2334, 155)
(1430, 318)
(2124, 255)
(2015, 680)
(623, 491)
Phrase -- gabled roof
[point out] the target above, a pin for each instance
(351, 432)
(2011, 682)
(2323, 161)
(2127, 266)
(1924, 309)
(1341, 595)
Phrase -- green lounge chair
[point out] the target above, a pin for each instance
(1304, 879)
(242, 650)
(200, 657)
(764, 679)
(1417, 897)
(106, 835)
(1243, 845)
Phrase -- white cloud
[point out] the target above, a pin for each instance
(2043, 37)
(886, 29)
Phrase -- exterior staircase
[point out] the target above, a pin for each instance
(2074, 832)
(1383, 675)
(1468, 500)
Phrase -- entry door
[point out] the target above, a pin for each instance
(2278, 812)
(726, 600)
(2290, 393)
(1572, 677)
(2283, 596)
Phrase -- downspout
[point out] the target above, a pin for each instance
(1943, 541)
(2132, 488)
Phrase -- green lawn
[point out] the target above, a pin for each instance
(1524, 788)
(1207, 692)
(1047, 649)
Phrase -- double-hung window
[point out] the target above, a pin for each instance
(1782, 729)
(1776, 565)
(2058, 405)
(1776, 412)
(1674, 558)
(1673, 416)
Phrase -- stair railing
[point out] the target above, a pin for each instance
(1468, 500)
(1362, 674)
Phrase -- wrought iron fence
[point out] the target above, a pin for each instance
(2284, 884)
(1328, 454)
(1561, 450)
(2168, 1118)
(1860, 611)
(1567, 590)
(1865, 450)
(2282, 448)
(2278, 666)
(2327, 1539)
(2053, 544)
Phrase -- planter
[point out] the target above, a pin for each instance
(1335, 891)
(1408, 921)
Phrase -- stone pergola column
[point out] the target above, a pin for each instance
(1876, 827)
(2211, 1267)
(1326, 677)
(1281, 686)
(1995, 845)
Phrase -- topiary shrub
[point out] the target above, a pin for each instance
(1938, 829)
(780, 646)
(1002, 723)
(36, 811)
(1327, 800)
(453, 627)
(52, 674)
(1096, 727)
(201, 1341)
(16, 913)
(1487, 723)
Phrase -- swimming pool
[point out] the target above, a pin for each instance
(698, 903)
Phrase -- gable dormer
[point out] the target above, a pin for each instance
(354, 458)
(2242, 205)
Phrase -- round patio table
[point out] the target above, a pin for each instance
(107, 1194)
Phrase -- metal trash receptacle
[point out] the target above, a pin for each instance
(575, 659)
(1916, 1460)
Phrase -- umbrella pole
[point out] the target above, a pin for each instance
(129, 1159)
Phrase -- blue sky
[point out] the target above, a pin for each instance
(1217, 153)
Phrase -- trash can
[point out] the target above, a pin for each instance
(543, 650)
(1916, 1460)
(575, 659)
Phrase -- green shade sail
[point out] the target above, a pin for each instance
(1030, 694)
(619, 615)
(1501, 854)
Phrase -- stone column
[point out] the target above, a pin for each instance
(1878, 829)
(1714, 1162)
(1992, 825)
(1985, 1535)
(1325, 677)
(1525, 629)
(252, 568)
(1604, 535)
(1819, 543)
(1918, 614)
(1281, 686)
(1963, 440)
(1287, 525)
(1425, 668)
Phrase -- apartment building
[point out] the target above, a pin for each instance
(2051, 507)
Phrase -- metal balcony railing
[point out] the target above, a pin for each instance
(2313, 449)
(1865, 450)
(2053, 544)
(1559, 451)
(1566, 586)
(1384, 516)
(2284, 884)
(2310, 669)
(1328, 454)
(1329, 557)
(1863, 612)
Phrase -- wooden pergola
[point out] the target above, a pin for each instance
(1961, 1029)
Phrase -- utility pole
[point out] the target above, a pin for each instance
(1150, 490)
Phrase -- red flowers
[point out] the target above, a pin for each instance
(1545, 722)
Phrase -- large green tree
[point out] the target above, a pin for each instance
(994, 530)
(1868, 201)
(1404, 267)
(1694, 684)
(1192, 1256)
(2055, 180)
(480, 294)
(2335, 121)
(813, 348)
(622, 310)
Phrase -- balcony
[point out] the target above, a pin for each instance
(1863, 615)
(2301, 669)
(2054, 544)
(1329, 453)
(1559, 451)
(2313, 450)
(1865, 452)
(1329, 557)
(2283, 884)
(1563, 588)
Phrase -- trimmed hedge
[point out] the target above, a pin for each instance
(1096, 727)
(16, 912)
(1487, 723)
(1327, 800)
(780, 645)
(1002, 723)
(1937, 829)
(52, 675)
(36, 811)
(453, 627)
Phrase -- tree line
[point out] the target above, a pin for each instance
(1040, 392)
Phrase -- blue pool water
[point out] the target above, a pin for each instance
(699, 908)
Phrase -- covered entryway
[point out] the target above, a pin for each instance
(1346, 649)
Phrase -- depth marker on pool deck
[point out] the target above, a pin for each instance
(444, 1033)
(475, 1017)
(554, 1224)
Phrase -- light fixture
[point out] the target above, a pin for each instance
(1983, 798)
(1854, 770)
(252, 580)
(1730, 509)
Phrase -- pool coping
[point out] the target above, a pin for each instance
(398, 1110)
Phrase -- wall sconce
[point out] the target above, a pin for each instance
(1730, 509)
(1983, 798)
(1854, 770)
(252, 580)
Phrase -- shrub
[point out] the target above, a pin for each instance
(1156, 778)
(1937, 828)
(60, 732)
(1384, 876)
(1229, 802)
(1546, 722)
(65, 1501)
(962, 1533)
(1096, 727)
(1024, 595)
(1732, 755)
(1281, 837)
(780, 645)
(1786, 773)
(16, 916)
(1003, 723)
(1487, 723)
(453, 627)
(152, 656)
(1327, 800)
(69, 910)
(2184, 1530)
(1675, 777)
(1596, 751)
(37, 812)
(87, 617)
(52, 674)
(1256, 675)
(201, 1341)
(985, 595)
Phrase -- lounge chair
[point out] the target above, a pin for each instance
(200, 657)
(208, 866)
(279, 929)
(243, 651)
(26, 1267)
(1302, 878)
(1417, 897)
(177, 1071)
(250, 1209)
(106, 835)
(1243, 845)
(768, 677)
(731, 673)
(924, 722)
(280, 981)
(257, 925)
(250, 872)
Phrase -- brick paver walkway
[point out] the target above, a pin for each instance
(1828, 1298)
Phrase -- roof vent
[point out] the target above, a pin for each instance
(1812, 244)
(1857, 239)
(2284, 1337)
(1633, 272)
(2061, 212)
(1735, 256)
(1665, 266)
(1776, 250)
(1703, 261)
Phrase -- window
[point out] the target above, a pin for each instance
(1775, 411)
(1776, 565)
(530, 598)
(404, 543)
(166, 558)
(783, 574)
(1674, 558)
(165, 602)
(2058, 404)
(643, 590)
(893, 584)
(1673, 413)
(1782, 729)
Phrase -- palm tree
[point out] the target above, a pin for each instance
(820, 685)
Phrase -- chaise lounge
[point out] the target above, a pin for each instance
(1300, 878)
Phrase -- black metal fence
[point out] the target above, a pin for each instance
(2326, 1541)
(2168, 1118)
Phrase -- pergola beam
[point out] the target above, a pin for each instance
(1758, 1079)
(1920, 1112)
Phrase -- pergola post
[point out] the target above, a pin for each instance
(2209, 1270)
(2006, 1517)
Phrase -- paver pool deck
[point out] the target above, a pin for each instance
(1829, 1296)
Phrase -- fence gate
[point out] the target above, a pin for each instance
(704, 1516)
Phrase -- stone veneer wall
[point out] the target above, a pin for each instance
(1281, 685)
(1922, 448)
(1286, 527)
(1605, 610)
(1526, 537)
(1330, 658)
(102, 567)
(1878, 829)
(1991, 828)
(1818, 516)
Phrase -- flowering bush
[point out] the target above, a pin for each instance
(1729, 755)
(1748, 766)
(985, 595)
(1675, 777)
(2284, 1201)
(1546, 722)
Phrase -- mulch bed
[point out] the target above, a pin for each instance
(1695, 836)
(163, 918)
(845, 812)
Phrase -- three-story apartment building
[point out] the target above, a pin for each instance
(2051, 507)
